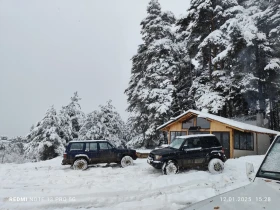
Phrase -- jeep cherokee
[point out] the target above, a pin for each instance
(80, 154)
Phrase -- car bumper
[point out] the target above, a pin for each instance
(224, 158)
(66, 162)
(134, 157)
(154, 163)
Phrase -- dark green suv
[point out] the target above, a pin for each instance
(193, 151)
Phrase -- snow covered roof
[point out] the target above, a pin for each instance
(229, 122)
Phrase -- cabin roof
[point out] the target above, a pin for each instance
(228, 122)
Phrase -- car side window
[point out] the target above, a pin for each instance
(209, 142)
(76, 146)
(206, 142)
(214, 142)
(196, 143)
(110, 146)
(192, 143)
(103, 146)
(93, 147)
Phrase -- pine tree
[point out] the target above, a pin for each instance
(104, 124)
(72, 118)
(44, 140)
(151, 86)
(200, 31)
(182, 99)
(268, 58)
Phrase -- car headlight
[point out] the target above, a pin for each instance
(157, 157)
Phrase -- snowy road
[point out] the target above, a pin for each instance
(47, 184)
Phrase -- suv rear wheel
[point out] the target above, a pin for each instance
(216, 166)
(170, 167)
(126, 161)
(80, 164)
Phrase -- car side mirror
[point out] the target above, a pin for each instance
(250, 171)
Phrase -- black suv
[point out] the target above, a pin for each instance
(190, 151)
(80, 154)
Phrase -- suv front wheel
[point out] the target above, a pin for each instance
(216, 166)
(170, 167)
(80, 164)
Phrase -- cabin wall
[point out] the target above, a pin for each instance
(217, 126)
(263, 143)
(176, 127)
(239, 153)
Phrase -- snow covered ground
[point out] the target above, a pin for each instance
(48, 184)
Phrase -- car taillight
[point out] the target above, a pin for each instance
(64, 156)
(223, 151)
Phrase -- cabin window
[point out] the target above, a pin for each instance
(173, 134)
(187, 124)
(202, 123)
(243, 141)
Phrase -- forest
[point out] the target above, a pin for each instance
(221, 56)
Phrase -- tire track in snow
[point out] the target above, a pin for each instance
(96, 200)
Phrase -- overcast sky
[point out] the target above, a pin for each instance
(50, 49)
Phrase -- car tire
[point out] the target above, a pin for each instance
(126, 161)
(170, 167)
(80, 164)
(215, 166)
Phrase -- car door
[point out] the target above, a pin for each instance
(91, 151)
(192, 152)
(105, 153)
(206, 143)
(113, 153)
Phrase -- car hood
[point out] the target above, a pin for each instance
(261, 194)
(164, 151)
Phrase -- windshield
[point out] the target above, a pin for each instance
(176, 143)
(270, 167)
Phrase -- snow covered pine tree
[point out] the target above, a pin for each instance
(44, 140)
(233, 54)
(105, 124)
(72, 118)
(150, 89)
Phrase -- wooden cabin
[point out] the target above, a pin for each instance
(237, 138)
